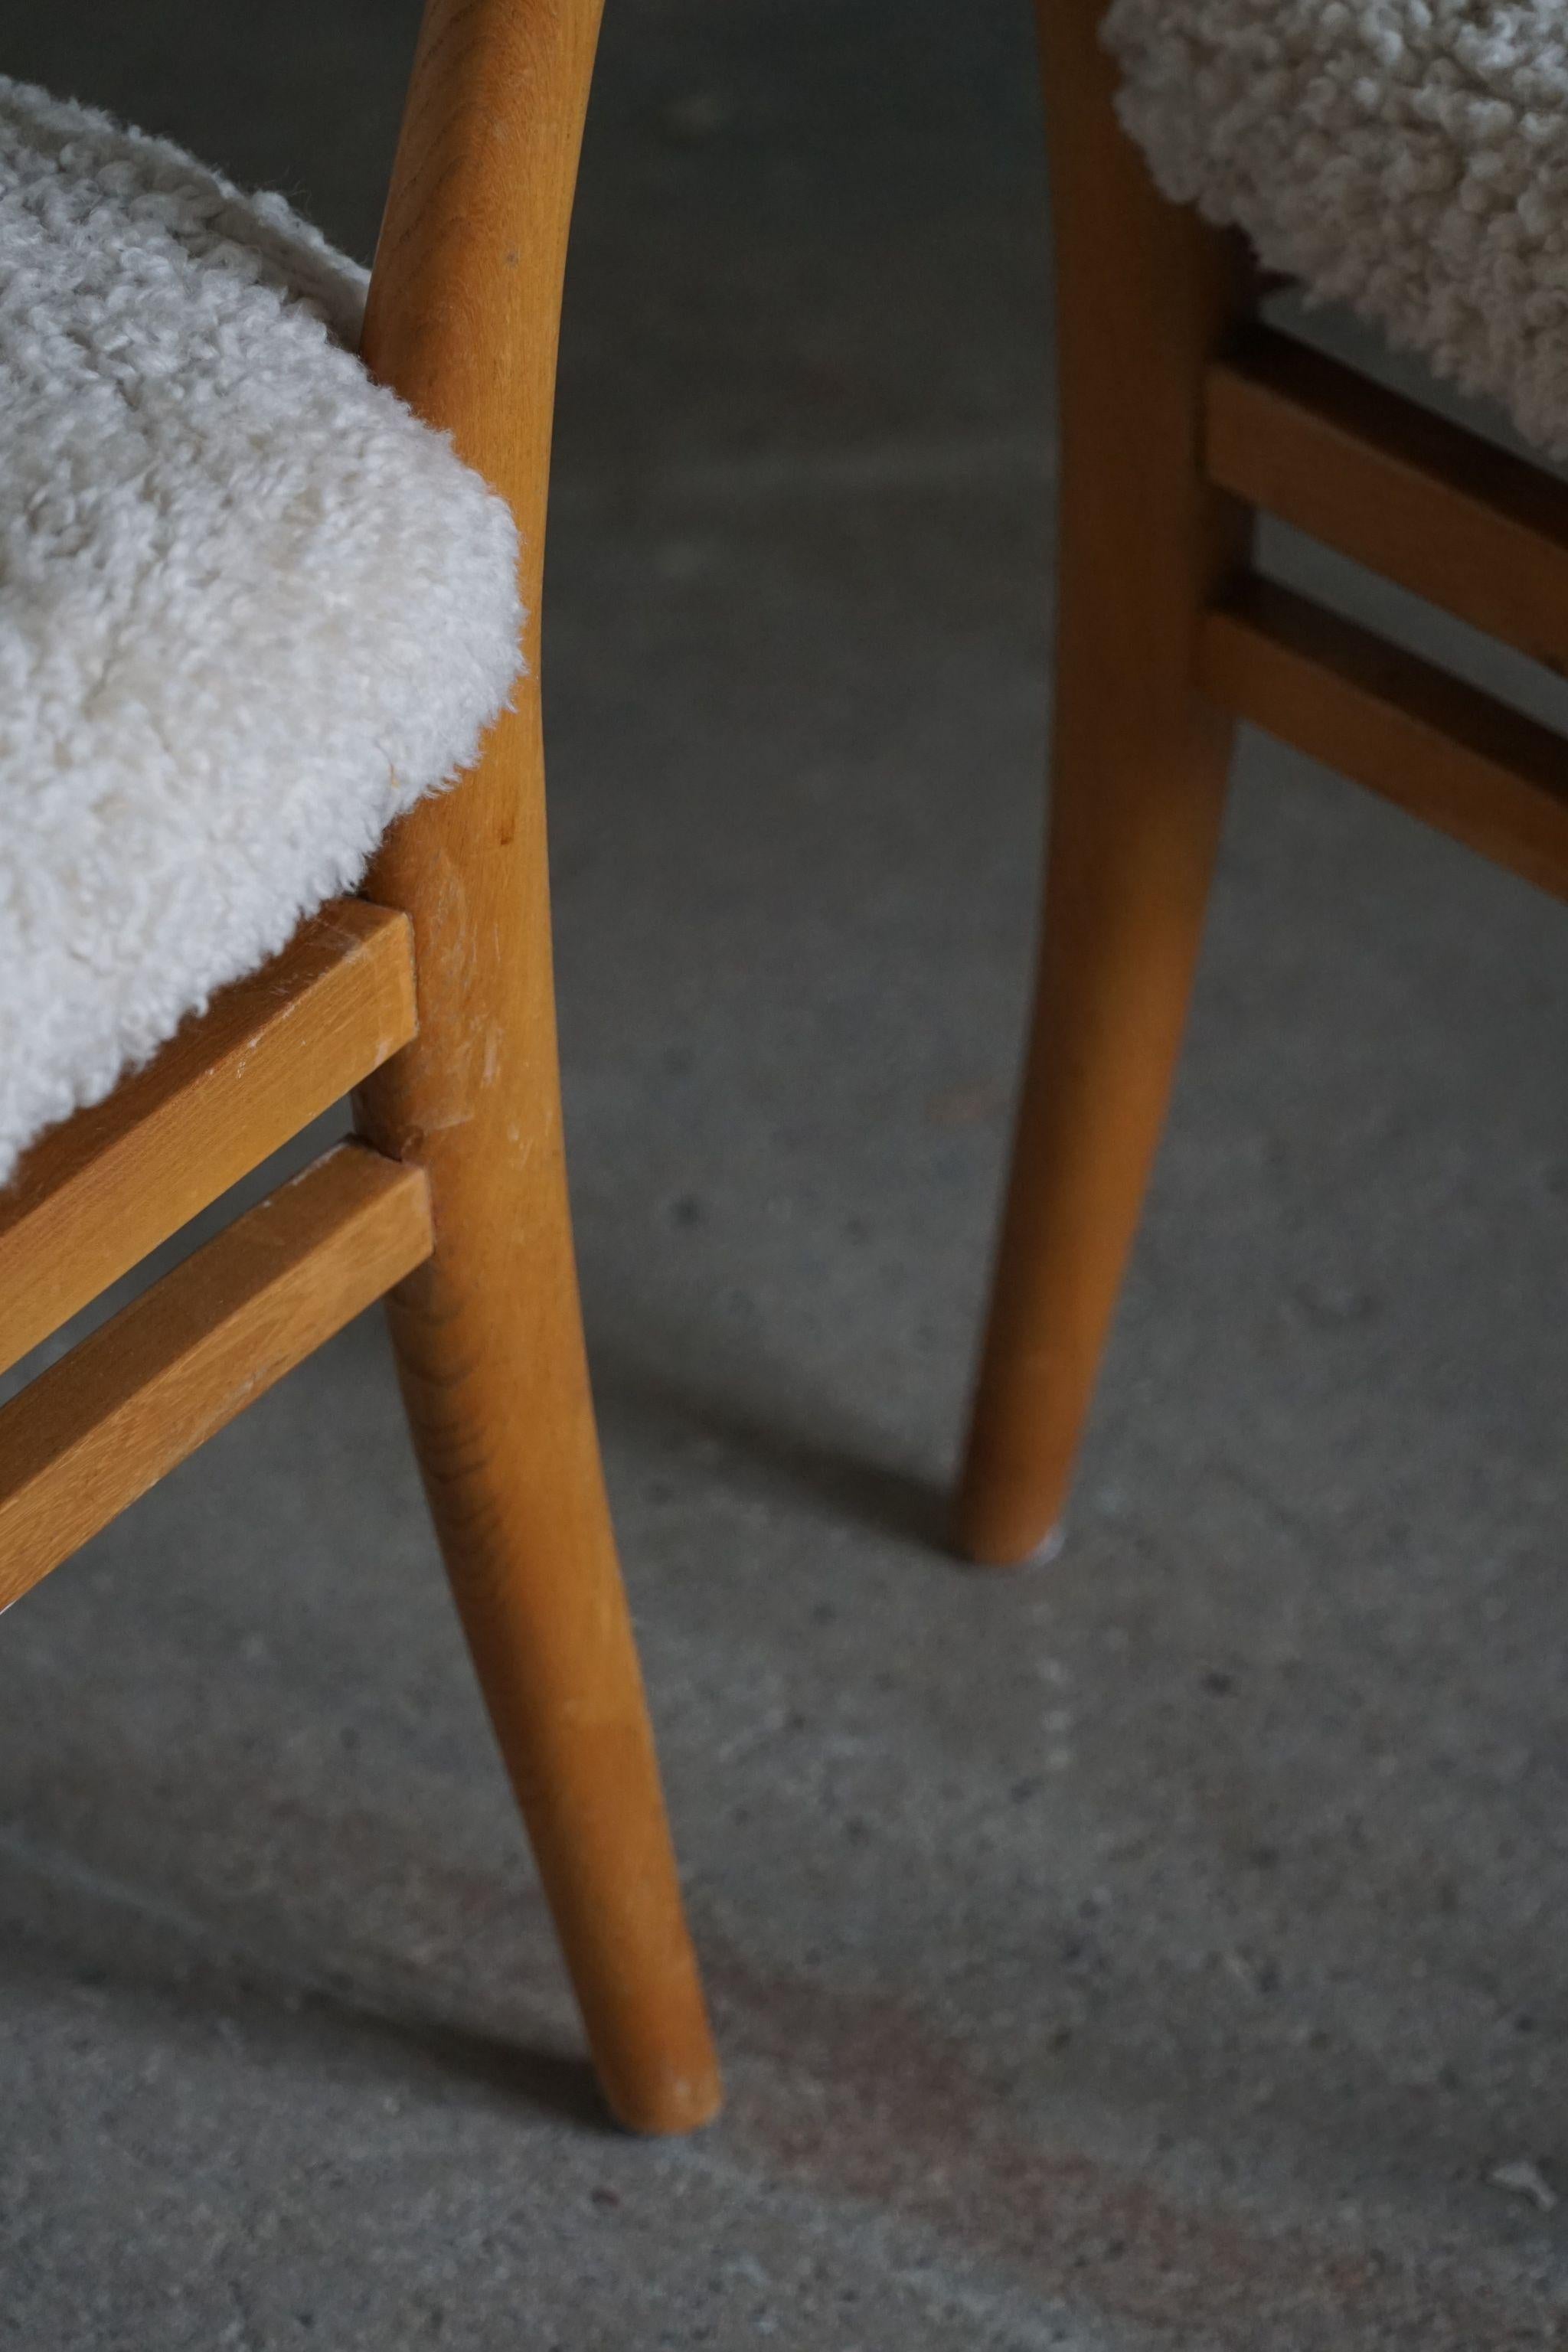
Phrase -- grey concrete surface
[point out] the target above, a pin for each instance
(1166, 1950)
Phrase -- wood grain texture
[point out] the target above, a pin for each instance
(1469, 526)
(93, 1196)
(462, 320)
(1477, 769)
(105, 1423)
(1145, 296)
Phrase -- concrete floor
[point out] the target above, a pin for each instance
(1166, 1950)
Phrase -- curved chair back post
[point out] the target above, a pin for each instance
(463, 311)
(462, 321)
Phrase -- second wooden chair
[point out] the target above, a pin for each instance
(1182, 417)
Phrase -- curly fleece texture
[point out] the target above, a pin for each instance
(250, 608)
(1408, 157)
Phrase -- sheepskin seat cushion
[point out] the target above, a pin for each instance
(1408, 157)
(250, 609)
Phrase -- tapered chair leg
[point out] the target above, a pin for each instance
(1144, 295)
(489, 1348)
(464, 303)
(1124, 906)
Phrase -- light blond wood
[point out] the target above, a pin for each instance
(1446, 514)
(96, 1194)
(1472, 766)
(110, 1420)
(1181, 416)
(1145, 295)
(464, 307)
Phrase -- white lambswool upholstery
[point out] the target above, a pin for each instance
(1409, 157)
(250, 609)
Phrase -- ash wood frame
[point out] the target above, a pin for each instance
(433, 995)
(1181, 417)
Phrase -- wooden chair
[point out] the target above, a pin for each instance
(1181, 416)
(432, 996)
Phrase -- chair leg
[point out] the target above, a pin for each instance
(461, 320)
(1144, 294)
(1127, 883)
(490, 1347)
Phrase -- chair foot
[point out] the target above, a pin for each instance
(1014, 1557)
